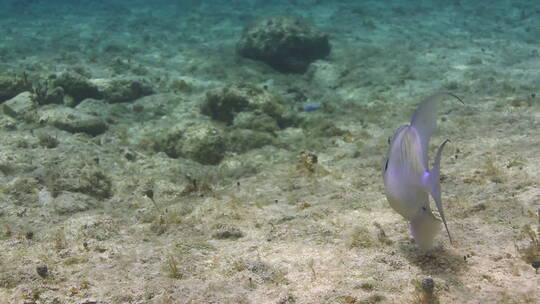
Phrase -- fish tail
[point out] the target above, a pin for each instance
(434, 185)
(424, 228)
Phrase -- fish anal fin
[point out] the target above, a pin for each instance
(433, 184)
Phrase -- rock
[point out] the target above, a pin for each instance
(42, 270)
(227, 232)
(76, 175)
(72, 120)
(536, 264)
(29, 235)
(477, 208)
(45, 197)
(20, 188)
(69, 203)
(428, 285)
(77, 86)
(288, 44)
(94, 106)
(257, 267)
(224, 104)
(255, 121)
(90, 227)
(242, 140)
(122, 90)
(202, 142)
(19, 105)
(11, 85)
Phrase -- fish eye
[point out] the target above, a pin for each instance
(389, 139)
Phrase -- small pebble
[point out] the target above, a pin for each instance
(536, 265)
(29, 235)
(129, 155)
(149, 193)
(42, 270)
(428, 284)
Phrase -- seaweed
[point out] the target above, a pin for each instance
(47, 141)
(309, 163)
(172, 268)
(424, 291)
(59, 239)
(493, 172)
(40, 91)
(530, 253)
(196, 187)
(360, 238)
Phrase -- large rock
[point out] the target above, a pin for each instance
(71, 202)
(203, 142)
(122, 89)
(19, 106)
(288, 44)
(72, 120)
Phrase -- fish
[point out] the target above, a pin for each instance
(408, 181)
(311, 107)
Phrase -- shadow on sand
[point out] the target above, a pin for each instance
(437, 261)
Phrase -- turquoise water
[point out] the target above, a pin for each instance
(231, 151)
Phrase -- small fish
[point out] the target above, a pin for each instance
(407, 178)
(311, 107)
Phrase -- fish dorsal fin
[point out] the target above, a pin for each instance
(424, 121)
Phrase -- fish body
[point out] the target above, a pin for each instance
(311, 107)
(408, 181)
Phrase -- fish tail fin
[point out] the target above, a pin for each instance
(424, 228)
(434, 185)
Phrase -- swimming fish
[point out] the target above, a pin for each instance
(407, 178)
